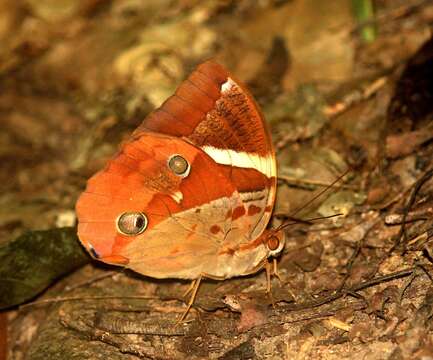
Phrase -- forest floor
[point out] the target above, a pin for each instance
(77, 77)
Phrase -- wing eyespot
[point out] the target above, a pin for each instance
(179, 165)
(131, 223)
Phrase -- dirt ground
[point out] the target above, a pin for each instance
(342, 93)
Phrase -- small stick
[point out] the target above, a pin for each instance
(402, 235)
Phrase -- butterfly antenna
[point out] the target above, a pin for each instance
(313, 199)
(306, 221)
(320, 193)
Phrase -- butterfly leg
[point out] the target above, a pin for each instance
(275, 272)
(268, 277)
(193, 289)
(271, 271)
(268, 282)
(190, 288)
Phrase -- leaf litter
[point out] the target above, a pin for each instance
(353, 285)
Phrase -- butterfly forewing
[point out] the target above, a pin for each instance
(215, 112)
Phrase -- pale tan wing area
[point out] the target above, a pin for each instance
(190, 249)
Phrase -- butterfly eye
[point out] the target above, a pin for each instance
(273, 243)
(179, 165)
(132, 223)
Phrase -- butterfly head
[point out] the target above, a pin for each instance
(274, 241)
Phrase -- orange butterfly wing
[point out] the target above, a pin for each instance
(196, 223)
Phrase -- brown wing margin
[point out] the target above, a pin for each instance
(208, 116)
(180, 114)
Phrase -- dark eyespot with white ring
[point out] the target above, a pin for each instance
(132, 223)
(179, 165)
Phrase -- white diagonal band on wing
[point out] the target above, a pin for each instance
(240, 159)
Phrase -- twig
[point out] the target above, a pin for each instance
(416, 188)
(412, 278)
(357, 305)
(391, 15)
(353, 289)
(355, 97)
(91, 281)
(413, 216)
(350, 262)
(85, 298)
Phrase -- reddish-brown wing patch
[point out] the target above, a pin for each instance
(211, 108)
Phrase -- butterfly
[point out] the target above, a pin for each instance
(189, 195)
